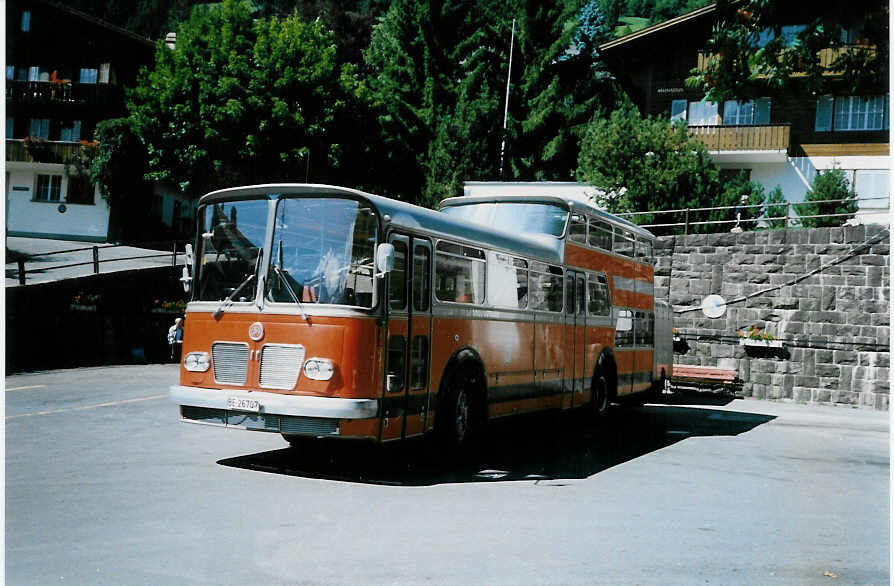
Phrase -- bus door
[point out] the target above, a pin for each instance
(406, 394)
(575, 333)
(624, 353)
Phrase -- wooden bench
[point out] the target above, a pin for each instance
(685, 376)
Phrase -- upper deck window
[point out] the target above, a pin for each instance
(514, 216)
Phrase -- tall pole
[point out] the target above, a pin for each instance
(506, 108)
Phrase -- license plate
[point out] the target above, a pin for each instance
(240, 404)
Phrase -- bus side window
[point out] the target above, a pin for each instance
(577, 230)
(460, 273)
(600, 234)
(546, 287)
(421, 278)
(397, 279)
(570, 306)
(624, 242)
(644, 249)
(624, 328)
(600, 304)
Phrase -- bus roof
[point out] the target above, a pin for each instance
(573, 205)
(537, 246)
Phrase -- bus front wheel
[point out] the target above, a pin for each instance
(600, 395)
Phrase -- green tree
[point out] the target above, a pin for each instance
(831, 184)
(765, 46)
(562, 83)
(644, 165)
(244, 101)
(433, 71)
(117, 167)
(775, 207)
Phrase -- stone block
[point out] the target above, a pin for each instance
(845, 397)
(873, 260)
(761, 237)
(777, 236)
(845, 379)
(853, 281)
(833, 280)
(881, 402)
(865, 293)
(819, 236)
(851, 270)
(879, 319)
(836, 235)
(855, 234)
(828, 298)
(860, 318)
(761, 378)
(828, 382)
(841, 357)
(874, 276)
(822, 396)
(828, 370)
(722, 351)
(807, 381)
(823, 356)
(828, 317)
(806, 304)
(802, 395)
(795, 327)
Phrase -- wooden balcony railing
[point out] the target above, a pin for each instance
(47, 152)
(769, 137)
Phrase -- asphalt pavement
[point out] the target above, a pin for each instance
(105, 486)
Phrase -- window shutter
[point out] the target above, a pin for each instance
(824, 113)
(762, 111)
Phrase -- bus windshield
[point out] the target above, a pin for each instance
(514, 216)
(230, 246)
(323, 252)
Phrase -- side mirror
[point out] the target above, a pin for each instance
(188, 259)
(384, 259)
(188, 256)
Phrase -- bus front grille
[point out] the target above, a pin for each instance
(230, 360)
(280, 365)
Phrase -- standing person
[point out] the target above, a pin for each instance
(175, 339)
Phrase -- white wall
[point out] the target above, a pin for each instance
(795, 176)
(567, 189)
(32, 218)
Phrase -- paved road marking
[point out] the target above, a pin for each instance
(86, 407)
(23, 388)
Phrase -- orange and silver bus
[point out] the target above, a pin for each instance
(321, 311)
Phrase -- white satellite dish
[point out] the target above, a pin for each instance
(713, 306)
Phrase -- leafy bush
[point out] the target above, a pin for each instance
(831, 184)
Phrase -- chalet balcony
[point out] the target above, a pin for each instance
(758, 143)
(826, 57)
(43, 151)
(54, 92)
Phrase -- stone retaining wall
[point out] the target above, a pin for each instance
(834, 325)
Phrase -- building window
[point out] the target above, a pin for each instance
(71, 131)
(40, 128)
(88, 76)
(34, 73)
(844, 113)
(49, 188)
(695, 113)
(10, 127)
(746, 113)
(10, 72)
(26, 21)
(104, 71)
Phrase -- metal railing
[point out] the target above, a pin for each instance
(790, 220)
(59, 92)
(95, 261)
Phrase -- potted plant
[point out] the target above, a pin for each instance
(754, 336)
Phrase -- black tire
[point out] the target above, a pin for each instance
(599, 403)
(297, 441)
(459, 418)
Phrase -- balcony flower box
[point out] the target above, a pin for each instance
(760, 343)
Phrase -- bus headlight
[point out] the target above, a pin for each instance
(197, 361)
(319, 368)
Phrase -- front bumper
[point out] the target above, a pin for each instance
(287, 414)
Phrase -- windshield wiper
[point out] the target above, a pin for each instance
(282, 278)
(229, 298)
